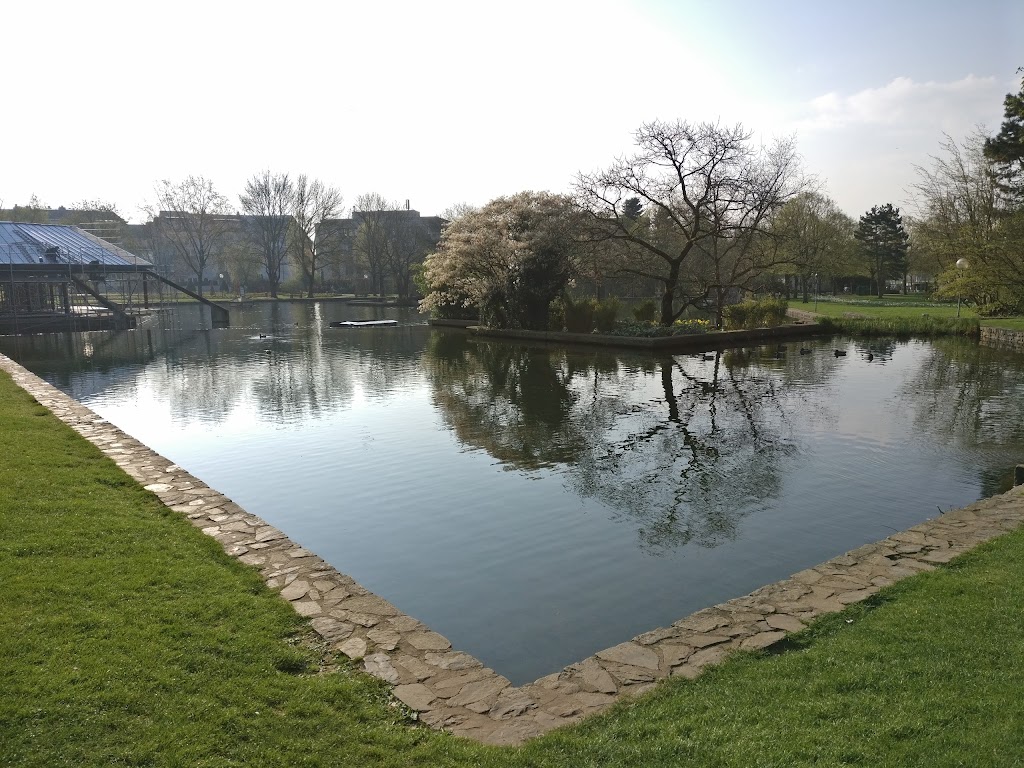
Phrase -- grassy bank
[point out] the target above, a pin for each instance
(129, 638)
(900, 316)
(901, 308)
(887, 307)
(900, 327)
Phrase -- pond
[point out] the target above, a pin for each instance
(537, 504)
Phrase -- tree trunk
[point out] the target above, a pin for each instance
(666, 305)
(720, 307)
(670, 281)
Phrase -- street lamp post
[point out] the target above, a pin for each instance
(961, 265)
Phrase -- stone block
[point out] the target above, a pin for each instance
(479, 692)
(384, 639)
(415, 696)
(593, 676)
(785, 622)
(380, 666)
(630, 654)
(295, 590)
(454, 660)
(675, 654)
(427, 641)
(761, 640)
(354, 648)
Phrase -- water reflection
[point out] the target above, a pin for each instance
(514, 402)
(274, 361)
(536, 504)
(974, 397)
(684, 464)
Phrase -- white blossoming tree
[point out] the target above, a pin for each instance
(506, 262)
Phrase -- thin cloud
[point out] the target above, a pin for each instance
(904, 103)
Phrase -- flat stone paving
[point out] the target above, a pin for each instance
(452, 690)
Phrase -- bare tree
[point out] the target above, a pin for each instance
(268, 200)
(371, 210)
(408, 244)
(698, 184)
(192, 219)
(313, 203)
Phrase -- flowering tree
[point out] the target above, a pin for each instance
(506, 261)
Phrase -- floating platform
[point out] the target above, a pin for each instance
(361, 323)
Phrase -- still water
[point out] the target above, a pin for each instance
(538, 504)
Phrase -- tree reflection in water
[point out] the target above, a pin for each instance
(514, 402)
(970, 396)
(682, 446)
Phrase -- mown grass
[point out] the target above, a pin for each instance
(908, 315)
(889, 307)
(129, 638)
(898, 306)
(1013, 323)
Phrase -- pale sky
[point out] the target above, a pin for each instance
(464, 100)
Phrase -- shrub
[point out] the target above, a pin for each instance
(774, 311)
(653, 330)
(756, 314)
(646, 311)
(556, 315)
(999, 308)
(737, 315)
(579, 316)
(605, 313)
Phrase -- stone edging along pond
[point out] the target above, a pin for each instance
(682, 343)
(452, 690)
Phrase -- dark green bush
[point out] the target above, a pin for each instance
(605, 313)
(646, 311)
(737, 315)
(579, 316)
(556, 315)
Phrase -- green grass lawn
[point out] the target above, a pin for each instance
(128, 638)
(1013, 323)
(894, 306)
(889, 307)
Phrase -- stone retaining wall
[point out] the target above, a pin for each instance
(1003, 337)
(688, 342)
(454, 691)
